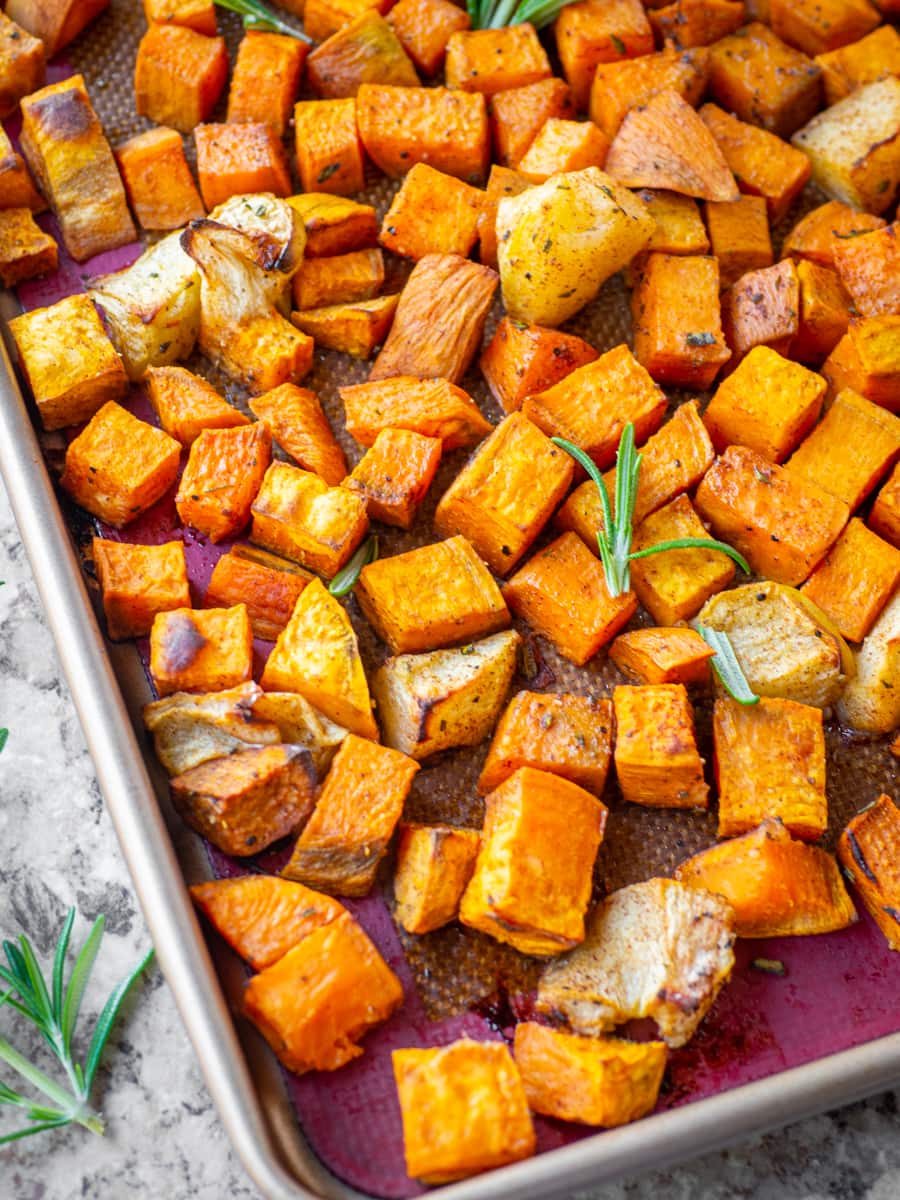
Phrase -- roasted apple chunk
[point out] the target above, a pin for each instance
(434, 864)
(191, 729)
(301, 724)
(871, 699)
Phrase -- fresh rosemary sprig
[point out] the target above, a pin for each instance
(614, 539)
(345, 581)
(54, 1009)
(260, 19)
(495, 14)
(726, 665)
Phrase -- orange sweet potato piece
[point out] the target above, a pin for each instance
(316, 1002)
(432, 407)
(679, 226)
(522, 359)
(519, 114)
(262, 917)
(562, 146)
(869, 267)
(17, 188)
(269, 593)
(816, 235)
(869, 850)
(322, 18)
(224, 472)
(338, 279)
(137, 582)
(495, 60)
(885, 515)
(329, 152)
(447, 129)
(502, 181)
(200, 650)
(657, 760)
(301, 429)
(22, 65)
(762, 309)
(178, 76)
(355, 329)
(853, 65)
(621, 84)
(661, 655)
(424, 28)
(824, 312)
(195, 14)
(55, 22)
(234, 160)
(599, 31)
(439, 321)
(739, 233)
(186, 404)
(355, 816)
(817, 26)
(25, 250)
(432, 213)
(334, 225)
(367, 50)
(778, 887)
(570, 736)
(394, 475)
(434, 864)
(697, 22)
(266, 79)
(158, 180)
(867, 359)
(855, 581)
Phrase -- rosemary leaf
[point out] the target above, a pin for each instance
(726, 665)
(770, 966)
(257, 16)
(688, 543)
(345, 581)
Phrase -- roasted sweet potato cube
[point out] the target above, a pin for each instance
(394, 475)
(432, 407)
(55, 22)
(739, 233)
(689, 23)
(495, 60)
(446, 698)
(17, 189)
(137, 582)
(236, 159)
(664, 144)
(679, 226)
(867, 360)
(424, 28)
(356, 813)
(118, 466)
(434, 596)
(622, 83)
(518, 115)
(300, 724)
(869, 849)
(592, 405)
(591, 32)
(762, 309)
(868, 266)
(885, 515)
(816, 235)
(768, 403)
(322, 18)
(675, 312)
(855, 64)
(195, 14)
(522, 359)
(674, 585)
(817, 26)
(432, 213)
(202, 650)
(68, 154)
(269, 593)
(301, 428)
(532, 878)
(329, 152)
(400, 127)
(563, 146)
(317, 655)
(850, 451)
(338, 279)
(334, 224)
(778, 887)
(191, 729)
(434, 864)
(502, 182)
(266, 79)
(871, 700)
(158, 180)
(262, 917)
(464, 1110)
(25, 250)
(561, 592)
(179, 76)
(753, 74)
(855, 581)
(22, 65)
(296, 513)
(366, 50)
(594, 1081)
(355, 329)
(781, 523)
(316, 1002)
(762, 163)
(506, 493)
(224, 472)
(662, 655)
(824, 312)
(570, 736)
(186, 404)
(657, 760)
(854, 146)
(440, 319)
(770, 762)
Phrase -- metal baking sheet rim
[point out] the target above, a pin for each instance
(242, 1075)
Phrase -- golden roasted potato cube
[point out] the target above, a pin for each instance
(661, 655)
(119, 466)
(297, 514)
(770, 762)
(464, 1110)
(532, 880)
(249, 799)
(506, 493)
(869, 849)
(657, 760)
(432, 702)
(434, 864)
(186, 404)
(69, 362)
(317, 655)
(855, 581)
(566, 735)
(189, 730)
(25, 250)
(871, 700)
(595, 1081)
(223, 475)
(301, 724)
(137, 582)
(431, 597)
(356, 813)
(201, 650)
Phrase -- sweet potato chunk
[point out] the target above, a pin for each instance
(506, 493)
(501, 182)
(334, 224)
(186, 404)
(55, 22)
(778, 887)
(202, 650)
(661, 655)
(532, 878)
(358, 808)
(594, 1081)
(868, 266)
(824, 312)
(432, 213)
(816, 235)
(679, 226)
(770, 762)
(753, 74)
(762, 309)
(178, 76)
(234, 160)
(867, 360)
(22, 65)
(317, 655)
(522, 359)
(424, 28)
(869, 849)
(355, 329)
(433, 407)
(137, 582)
(224, 471)
(158, 180)
(885, 515)
(570, 736)
(817, 26)
(689, 23)
(855, 64)
(621, 84)
(339, 278)
(395, 474)
(316, 1002)
(301, 428)
(562, 146)
(17, 189)
(402, 126)
(434, 596)
(561, 592)
(266, 79)
(855, 581)
(366, 50)
(195, 14)
(434, 864)
(191, 729)
(464, 1110)
(871, 700)
(657, 760)
(518, 115)
(495, 60)
(329, 153)
(269, 593)
(739, 233)
(440, 319)
(591, 32)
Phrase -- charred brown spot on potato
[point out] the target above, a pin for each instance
(64, 116)
(184, 642)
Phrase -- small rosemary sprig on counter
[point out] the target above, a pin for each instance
(345, 581)
(259, 18)
(496, 14)
(726, 665)
(54, 1010)
(614, 539)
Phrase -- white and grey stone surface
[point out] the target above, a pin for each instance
(57, 848)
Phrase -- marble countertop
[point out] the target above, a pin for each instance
(163, 1136)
